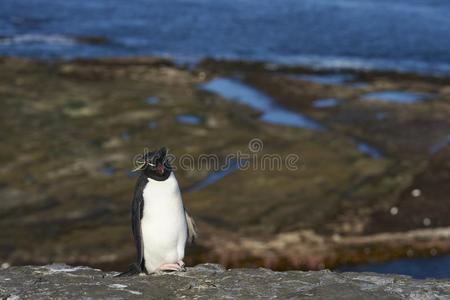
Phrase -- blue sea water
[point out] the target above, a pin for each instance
(405, 35)
(420, 268)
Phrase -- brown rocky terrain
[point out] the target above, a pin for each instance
(70, 131)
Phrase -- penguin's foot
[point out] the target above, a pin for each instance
(170, 267)
(179, 266)
(182, 265)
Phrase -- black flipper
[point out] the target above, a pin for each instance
(137, 211)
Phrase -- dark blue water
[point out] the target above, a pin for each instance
(433, 267)
(411, 35)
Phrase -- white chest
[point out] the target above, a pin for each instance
(163, 225)
(161, 197)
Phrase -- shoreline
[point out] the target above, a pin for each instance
(255, 65)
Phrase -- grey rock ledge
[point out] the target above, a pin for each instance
(209, 281)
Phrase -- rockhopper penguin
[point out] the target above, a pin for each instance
(160, 224)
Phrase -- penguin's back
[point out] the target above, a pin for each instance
(163, 224)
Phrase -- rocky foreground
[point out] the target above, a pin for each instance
(209, 281)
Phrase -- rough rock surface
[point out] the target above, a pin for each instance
(209, 281)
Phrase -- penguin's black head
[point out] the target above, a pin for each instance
(156, 165)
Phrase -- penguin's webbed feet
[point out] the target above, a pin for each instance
(178, 266)
(182, 265)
